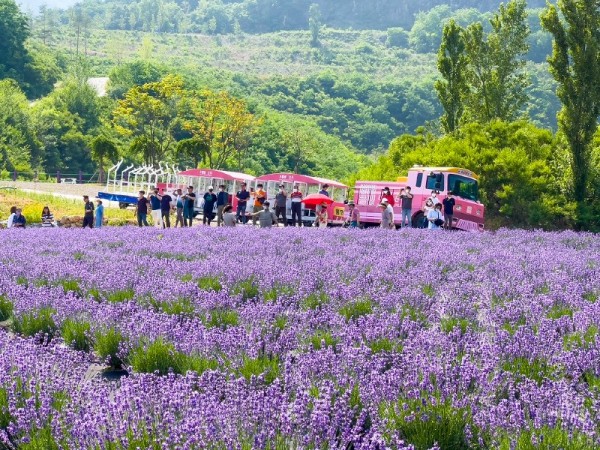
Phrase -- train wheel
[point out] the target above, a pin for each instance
(123, 205)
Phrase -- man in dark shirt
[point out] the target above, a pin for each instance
(210, 199)
(222, 200)
(242, 198)
(88, 215)
(406, 198)
(324, 190)
(448, 203)
(141, 209)
(19, 219)
(281, 205)
(188, 206)
(165, 209)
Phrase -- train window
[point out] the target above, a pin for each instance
(419, 179)
(435, 181)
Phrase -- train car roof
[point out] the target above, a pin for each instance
(458, 170)
(298, 178)
(219, 174)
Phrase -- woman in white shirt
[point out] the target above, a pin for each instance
(435, 217)
(13, 212)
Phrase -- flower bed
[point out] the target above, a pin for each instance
(247, 338)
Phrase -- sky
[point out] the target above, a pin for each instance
(34, 5)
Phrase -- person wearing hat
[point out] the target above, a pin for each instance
(385, 194)
(387, 217)
(260, 196)
(353, 215)
(242, 197)
(322, 216)
(208, 210)
(281, 205)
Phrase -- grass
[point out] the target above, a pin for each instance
(558, 311)
(424, 423)
(160, 356)
(448, 324)
(536, 369)
(121, 295)
(33, 203)
(247, 288)
(263, 365)
(277, 291)
(354, 310)
(222, 318)
(580, 340)
(548, 438)
(179, 307)
(209, 284)
(6, 308)
(321, 339)
(34, 322)
(107, 344)
(76, 334)
(315, 300)
(384, 345)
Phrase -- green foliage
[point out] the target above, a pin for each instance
(76, 333)
(424, 423)
(209, 283)
(178, 307)
(222, 318)
(448, 324)
(321, 339)
(247, 288)
(536, 369)
(121, 295)
(356, 309)
(6, 308)
(575, 65)
(547, 438)
(384, 345)
(158, 356)
(277, 291)
(41, 439)
(107, 344)
(268, 366)
(315, 300)
(36, 321)
(557, 311)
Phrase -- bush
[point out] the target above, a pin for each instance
(222, 318)
(263, 365)
(247, 288)
(122, 295)
(321, 339)
(34, 322)
(158, 356)
(107, 345)
(353, 311)
(209, 284)
(397, 37)
(6, 308)
(76, 334)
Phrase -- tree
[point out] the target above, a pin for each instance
(314, 24)
(496, 64)
(103, 148)
(575, 64)
(148, 115)
(453, 66)
(223, 124)
(192, 149)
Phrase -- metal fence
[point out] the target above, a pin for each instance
(56, 177)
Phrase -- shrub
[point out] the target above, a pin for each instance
(181, 306)
(267, 365)
(107, 345)
(447, 324)
(321, 339)
(158, 356)
(209, 284)
(354, 310)
(36, 321)
(222, 318)
(122, 295)
(277, 291)
(384, 345)
(314, 300)
(6, 308)
(247, 288)
(76, 334)
(397, 37)
(69, 285)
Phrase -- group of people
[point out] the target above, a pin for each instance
(16, 219)
(436, 214)
(162, 206)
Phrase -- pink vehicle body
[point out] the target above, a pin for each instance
(468, 211)
(307, 185)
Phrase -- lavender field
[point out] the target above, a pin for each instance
(298, 338)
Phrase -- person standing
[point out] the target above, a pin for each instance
(47, 218)
(266, 217)
(165, 210)
(208, 210)
(188, 206)
(156, 210)
(296, 197)
(260, 196)
(322, 216)
(385, 193)
(88, 214)
(406, 199)
(353, 215)
(242, 197)
(281, 205)
(324, 191)
(448, 203)
(99, 213)
(387, 217)
(11, 218)
(141, 209)
(222, 201)
(19, 220)
(389, 208)
(435, 218)
(229, 219)
(434, 197)
(179, 208)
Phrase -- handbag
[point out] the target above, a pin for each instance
(438, 222)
